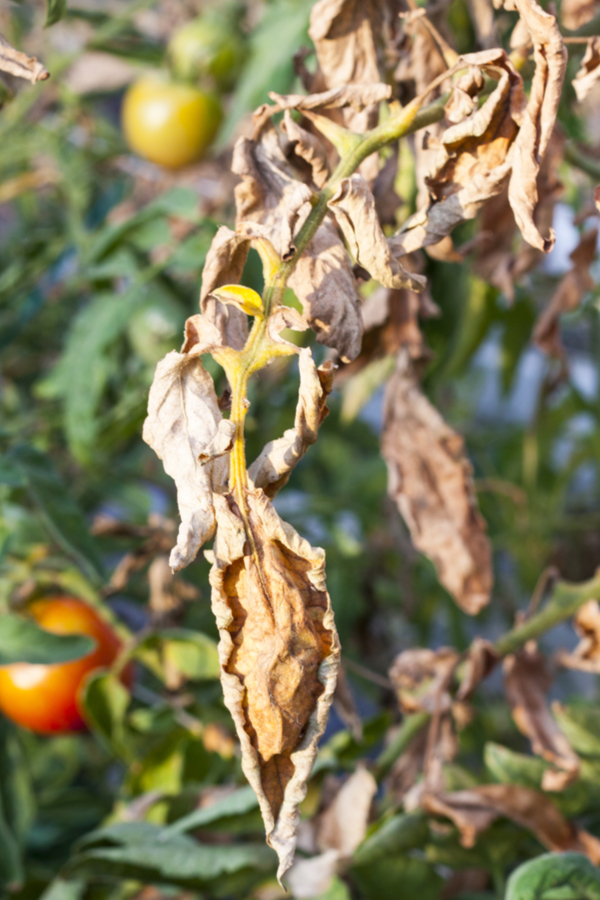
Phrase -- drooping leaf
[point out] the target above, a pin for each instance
(273, 467)
(279, 655)
(19, 64)
(183, 421)
(322, 279)
(23, 641)
(527, 682)
(589, 72)
(430, 479)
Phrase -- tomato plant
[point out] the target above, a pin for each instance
(168, 122)
(46, 698)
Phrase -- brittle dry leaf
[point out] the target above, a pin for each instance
(273, 467)
(183, 419)
(341, 828)
(589, 72)
(322, 278)
(279, 654)
(421, 679)
(527, 681)
(586, 655)
(430, 478)
(575, 13)
(474, 159)
(224, 264)
(352, 97)
(346, 34)
(538, 120)
(309, 148)
(474, 810)
(568, 295)
(17, 63)
(353, 206)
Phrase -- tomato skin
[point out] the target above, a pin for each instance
(45, 698)
(169, 123)
(208, 47)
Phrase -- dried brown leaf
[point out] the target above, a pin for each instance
(343, 825)
(312, 877)
(353, 206)
(589, 72)
(422, 677)
(474, 810)
(474, 159)
(224, 264)
(351, 97)
(309, 148)
(568, 295)
(346, 35)
(17, 63)
(481, 659)
(430, 478)
(527, 682)
(597, 198)
(279, 655)
(183, 420)
(272, 469)
(322, 278)
(586, 655)
(575, 13)
(538, 120)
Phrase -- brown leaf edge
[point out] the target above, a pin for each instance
(280, 823)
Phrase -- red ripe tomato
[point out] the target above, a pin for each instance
(45, 698)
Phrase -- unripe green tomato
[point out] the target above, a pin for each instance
(207, 47)
(167, 122)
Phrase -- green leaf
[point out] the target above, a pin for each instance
(106, 701)
(11, 865)
(555, 876)
(23, 641)
(192, 653)
(146, 852)
(581, 725)
(281, 31)
(61, 514)
(60, 889)
(55, 11)
(86, 366)
(398, 878)
(397, 835)
(242, 801)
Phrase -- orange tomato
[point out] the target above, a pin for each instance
(169, 123)
(46, 698)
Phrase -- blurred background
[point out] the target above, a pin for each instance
(105, 223)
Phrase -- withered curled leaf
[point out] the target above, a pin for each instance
(527, 682)
(273, 467)
(474, 810)
(322, 278)
(309, 148)
(538, 120)
(346, 35)
(586, 655)
(474, 159)
(589, 71)
(15, 62)
(183, 421)
(224, 264)
(279, 654)
(568, 295)
(353, 206)
(430, 478)
(422, 677)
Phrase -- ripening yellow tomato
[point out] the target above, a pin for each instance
(169, 123)
(46, 698)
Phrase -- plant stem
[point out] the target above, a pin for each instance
(408, 730)
(564, 602)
